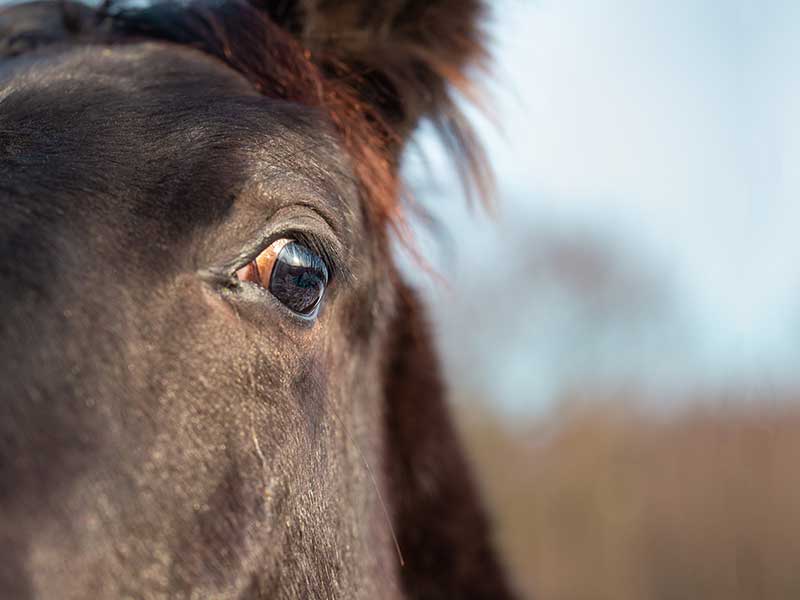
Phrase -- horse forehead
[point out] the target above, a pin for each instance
(148, 84)
(142, 113)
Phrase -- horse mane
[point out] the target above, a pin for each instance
(375, 69)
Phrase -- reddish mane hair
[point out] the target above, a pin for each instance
(374, 100)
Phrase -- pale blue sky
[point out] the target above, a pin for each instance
(674, 126)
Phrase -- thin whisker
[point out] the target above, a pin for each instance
(377, 490)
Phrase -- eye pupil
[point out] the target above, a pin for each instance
(306, 280)
(298, 278)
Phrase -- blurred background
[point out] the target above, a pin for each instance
(622, 334)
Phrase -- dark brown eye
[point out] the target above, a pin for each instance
(292, 272)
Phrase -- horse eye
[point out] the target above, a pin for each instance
(292, 272)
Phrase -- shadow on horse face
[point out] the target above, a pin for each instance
(151, 390)
(169, 428)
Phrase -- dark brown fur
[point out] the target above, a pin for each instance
(167, 434)
(442, 527)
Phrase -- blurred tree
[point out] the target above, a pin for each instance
(539, 311)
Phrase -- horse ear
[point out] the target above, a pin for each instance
(442, 529)
(402, 55)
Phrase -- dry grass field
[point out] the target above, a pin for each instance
(615, 503)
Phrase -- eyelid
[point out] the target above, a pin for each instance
(254, 231)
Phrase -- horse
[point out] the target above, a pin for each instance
(215, 381)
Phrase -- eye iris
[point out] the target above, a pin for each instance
(298, 278)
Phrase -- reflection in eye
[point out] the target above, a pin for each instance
(292, 272)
